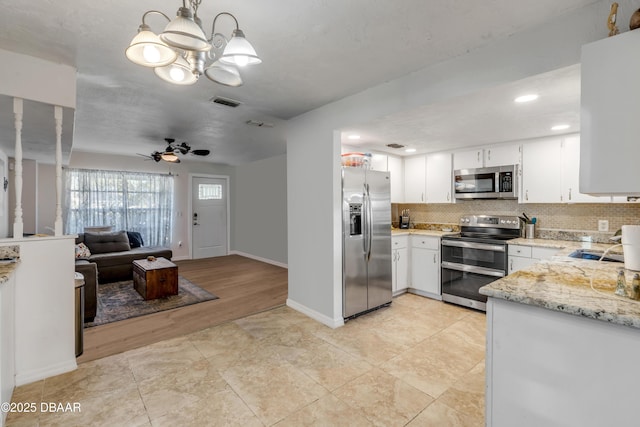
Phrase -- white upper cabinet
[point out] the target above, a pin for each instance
(414, 179)
(396, 176)
(379, 162)
(468, 159)
(439, 178)
(610, 108)
(495, 155)
(502, 155)
(541, 171)
(550, 170)
(570, 174)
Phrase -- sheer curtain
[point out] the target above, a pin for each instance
(131, 201)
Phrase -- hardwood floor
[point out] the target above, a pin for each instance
(244, 286)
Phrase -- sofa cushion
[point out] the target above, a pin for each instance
(106, 242)
(127, 257)
(135, 239)
(82, 251)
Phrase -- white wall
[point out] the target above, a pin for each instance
(46, 199)
(260, 220)
(313, 144)
(181, 196)
(44, 310)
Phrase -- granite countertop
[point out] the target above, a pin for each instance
(6, 270)
(564, 284)
(416, 231)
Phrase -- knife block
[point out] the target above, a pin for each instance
(404, 222)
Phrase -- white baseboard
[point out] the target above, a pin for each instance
(332, 323)
(257, 258)
(45, 372)
(180, 258)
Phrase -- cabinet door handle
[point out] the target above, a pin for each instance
(422, 197)
(489, 155)
(478, 157)
(398, 259)
(434, 258)
(569, 194)
(448, 195)
(526, 195)
(511, 265)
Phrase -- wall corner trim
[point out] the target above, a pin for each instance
(325, 320)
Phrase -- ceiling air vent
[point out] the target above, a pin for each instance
(225, 101)
(258, 123)
(394, 145)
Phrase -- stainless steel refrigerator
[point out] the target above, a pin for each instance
(366, 247)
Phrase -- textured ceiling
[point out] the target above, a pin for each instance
(314, 52)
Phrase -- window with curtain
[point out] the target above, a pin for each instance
(131, 201)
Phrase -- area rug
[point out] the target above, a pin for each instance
(119, 301)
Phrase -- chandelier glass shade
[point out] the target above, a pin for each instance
(183, 52)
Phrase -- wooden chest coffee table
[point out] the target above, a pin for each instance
(155, 279)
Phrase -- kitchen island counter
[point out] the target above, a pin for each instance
(573, 286)
(557, 339)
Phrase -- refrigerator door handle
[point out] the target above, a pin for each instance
(370, 213)
(365, 222)
(368, 226)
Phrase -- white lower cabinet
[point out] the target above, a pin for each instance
(425, 266)
(521, 256)
(400, 263)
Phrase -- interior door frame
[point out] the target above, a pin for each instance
(190, 208)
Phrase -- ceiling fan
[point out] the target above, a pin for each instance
(170, 154)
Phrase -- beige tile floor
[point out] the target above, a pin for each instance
(419, 362)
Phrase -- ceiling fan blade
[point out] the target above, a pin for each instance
(201, 152)
(147, 157)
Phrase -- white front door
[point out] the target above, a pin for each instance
(209, 217)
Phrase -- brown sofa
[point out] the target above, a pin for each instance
(111, 260)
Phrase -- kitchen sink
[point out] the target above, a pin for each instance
(595, 255)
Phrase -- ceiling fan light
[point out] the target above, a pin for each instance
(239, 51)
(178, 73)
(148, 50)
(223, 74)
(170, 157)
(184, 33)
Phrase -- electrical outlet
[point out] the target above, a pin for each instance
(180, 244)
(603, 225)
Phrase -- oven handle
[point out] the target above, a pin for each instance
(472, 269)
(472, 245)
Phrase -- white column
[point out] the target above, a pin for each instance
(18, 226)
(58, 117)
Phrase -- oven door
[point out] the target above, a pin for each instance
(461, 284)
(468, 266)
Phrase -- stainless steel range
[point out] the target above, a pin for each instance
(476, 257)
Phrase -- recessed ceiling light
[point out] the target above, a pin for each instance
(560, 127)
(410, 150)
(526, 98)
(353, 137)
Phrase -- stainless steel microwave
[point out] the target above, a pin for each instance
(500, 182)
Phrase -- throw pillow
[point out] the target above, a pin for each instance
(102, 243)
(82, 251)
(135, 239)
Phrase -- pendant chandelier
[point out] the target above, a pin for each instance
(182, 52)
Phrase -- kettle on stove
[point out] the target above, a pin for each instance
(631, 246)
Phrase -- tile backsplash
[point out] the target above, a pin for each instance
(579, 218)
